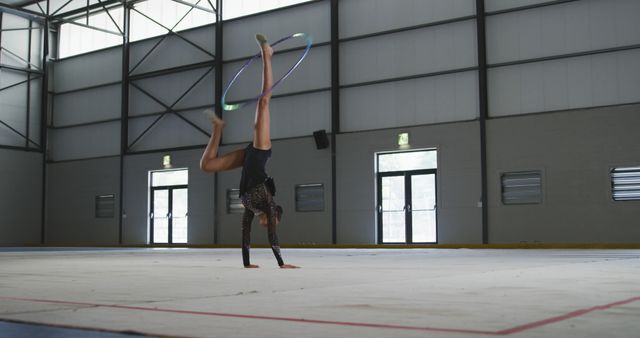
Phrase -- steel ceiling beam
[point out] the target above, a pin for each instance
(19, 133)
(161, 39)
(19, 83)
(111, 17)
(170, 31)
(169, 108)
(61, 7)
(194, 6)
(27, 62)
(89, 27)
(21, 12)
(19, 29)
(83, 10)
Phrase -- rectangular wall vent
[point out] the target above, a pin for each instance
(310, 197)
(105, 206)
(625, 184)
(521, 187)
(234, 204)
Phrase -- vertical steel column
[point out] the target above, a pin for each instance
(44, 109)
(335, 113)
(26, 144)
(1, 13)
(484, 108)
(218, 106)
(124, 112)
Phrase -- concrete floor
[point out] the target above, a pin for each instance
(337, 293)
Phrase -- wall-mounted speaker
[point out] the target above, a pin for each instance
(322, 141)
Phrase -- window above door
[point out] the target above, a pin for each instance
(407, 160)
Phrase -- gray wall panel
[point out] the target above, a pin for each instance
(35, 111)
(36, 45)
(496, 5)
(169, 88)
(136, 202)
(413, 52)
(169, 132)
(71, 191)
(458, 180)
(314, 72)
(291, 116)
(295, 161)
(358, 17)
(10, 138)
(561, 29)
(15, 41)
(445, 98)
(141, 103)
(91, 105)
(13, 108)
(10, 77)
(575, 151)
(595, 80)
(173, 51)
(88, 70)
(20, 197)
(239, 35)
(95, 140)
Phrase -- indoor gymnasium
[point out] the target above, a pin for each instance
(319, 168)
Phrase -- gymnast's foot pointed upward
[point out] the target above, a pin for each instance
(261, 39)
(264, 45)
(213, 117)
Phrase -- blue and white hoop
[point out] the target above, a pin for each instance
(236, 106)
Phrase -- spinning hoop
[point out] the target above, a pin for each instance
(236, 106)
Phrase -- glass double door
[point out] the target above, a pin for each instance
(168, 217)
(407, 207)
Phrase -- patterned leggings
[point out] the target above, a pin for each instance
(256, 201)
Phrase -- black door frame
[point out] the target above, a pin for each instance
(407, 202)
(170, 189)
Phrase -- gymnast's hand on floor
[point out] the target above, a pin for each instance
(289, 266)
(251, 266)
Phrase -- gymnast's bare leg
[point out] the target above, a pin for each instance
(210, 161)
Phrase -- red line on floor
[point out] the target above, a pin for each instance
(570, 315)
(515, 329)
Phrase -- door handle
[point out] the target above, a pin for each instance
(409, 207)
(379, 208)
(150, 215)
(169, 215)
